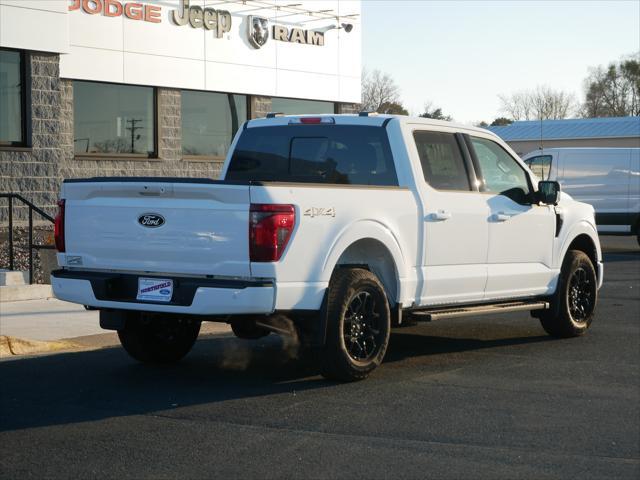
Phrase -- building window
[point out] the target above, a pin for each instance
(12, 93)
(291, 106)
(111, 119)
(209, 122)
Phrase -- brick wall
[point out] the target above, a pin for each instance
(33, 172)
(260, 106)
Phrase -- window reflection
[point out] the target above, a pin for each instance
(291, 106)
(209, 122)
(10, 97)
(113, 119)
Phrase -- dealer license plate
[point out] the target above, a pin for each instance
(155, 289)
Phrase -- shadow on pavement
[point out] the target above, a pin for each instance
(409, 345)
(92, 385)
(100, 384)
(621, 256)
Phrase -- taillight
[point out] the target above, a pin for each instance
(58, 233)
(270, 228)
(311, 120)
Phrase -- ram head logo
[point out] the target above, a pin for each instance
(258, 31)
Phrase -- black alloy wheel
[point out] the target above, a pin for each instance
(582, 293)
(362, 329)
(358, 325)
(572, 307)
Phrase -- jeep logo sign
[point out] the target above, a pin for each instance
(203, 17)
(151, 220)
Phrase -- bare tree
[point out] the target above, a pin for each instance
(431, 111)
(378, 89)
(613, 91)
(392, 108)
(542, 103)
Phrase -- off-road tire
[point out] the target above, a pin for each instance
(559, 321)
(346, 288)
(156, 339)
(246, 328)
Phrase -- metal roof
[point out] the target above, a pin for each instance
(570, 128)
(296, 11)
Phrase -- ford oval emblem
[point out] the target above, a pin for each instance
(151, 220)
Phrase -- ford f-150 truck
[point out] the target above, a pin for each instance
(345, 224)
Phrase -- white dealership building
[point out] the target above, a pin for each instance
(159, 87)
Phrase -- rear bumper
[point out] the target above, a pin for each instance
(194, 296)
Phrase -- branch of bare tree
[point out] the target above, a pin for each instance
(542, 103)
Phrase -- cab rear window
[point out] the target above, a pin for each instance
(331, 154)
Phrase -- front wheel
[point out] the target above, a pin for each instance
(573, 305)
(358, 325)
(157, 339)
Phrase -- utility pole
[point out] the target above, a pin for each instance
(133, 129)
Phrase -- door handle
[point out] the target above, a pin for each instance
(501, 217)
(440, 215)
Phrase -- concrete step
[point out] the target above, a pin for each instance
(13, 277)
(13, 293)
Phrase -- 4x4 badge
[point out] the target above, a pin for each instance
(319, 212)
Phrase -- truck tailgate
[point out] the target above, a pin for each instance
(196, 228)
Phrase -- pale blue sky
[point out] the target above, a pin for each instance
(462, 54)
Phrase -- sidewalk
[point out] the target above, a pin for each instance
(50, 319)
(39, 326)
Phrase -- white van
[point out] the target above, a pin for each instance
(607, 178)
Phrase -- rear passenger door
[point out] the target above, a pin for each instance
(454, 218)
(521, 232)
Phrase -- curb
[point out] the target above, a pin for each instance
(12, 346)
(17, 293)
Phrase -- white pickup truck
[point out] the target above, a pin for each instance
(345, 224)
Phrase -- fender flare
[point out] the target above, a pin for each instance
(362, 230)
(581, 228)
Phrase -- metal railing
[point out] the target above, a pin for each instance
(32, 246)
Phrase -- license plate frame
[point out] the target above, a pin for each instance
(155, 289)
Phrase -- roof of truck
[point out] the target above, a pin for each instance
(375, 119)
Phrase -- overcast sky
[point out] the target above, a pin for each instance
(462, 54)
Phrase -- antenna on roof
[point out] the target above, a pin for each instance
(541, 137)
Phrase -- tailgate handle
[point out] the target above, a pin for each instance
(152, 190)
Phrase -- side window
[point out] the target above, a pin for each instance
(442, 163)
(540, 165)
(501, 172)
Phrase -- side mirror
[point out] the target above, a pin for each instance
(548, 192)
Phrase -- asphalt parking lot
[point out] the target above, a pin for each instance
(485, 397)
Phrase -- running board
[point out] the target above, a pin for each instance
(453, 312)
